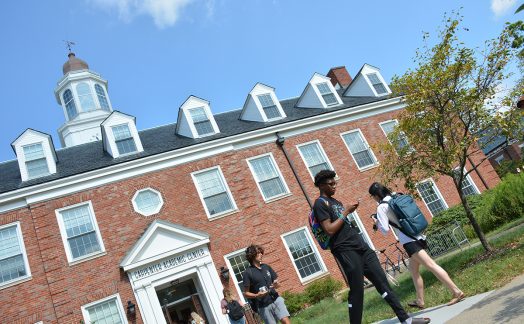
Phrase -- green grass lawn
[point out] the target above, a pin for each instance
(472, 278)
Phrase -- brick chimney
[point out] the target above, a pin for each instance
(339, 75)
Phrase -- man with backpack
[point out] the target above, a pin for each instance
(260, 282)
(352, 253)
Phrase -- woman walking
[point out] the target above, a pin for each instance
(415, 248)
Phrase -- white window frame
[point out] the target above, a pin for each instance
(224, 183)
(156, 210)
(379, 77)
(272, 159)
(437, 191)
(24, 256)
(376, 162)
(119, 305)
(322, 152)
(240, 289)
(63, 233)
(274, 104)
(387, 135)
(209, 119)
(29, 177)
(323, 267)
(470, 179)
(362, 228)
(129, 129)
(331, 89)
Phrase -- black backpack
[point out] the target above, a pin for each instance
(236, 311)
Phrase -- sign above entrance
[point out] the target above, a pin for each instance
(169, 263)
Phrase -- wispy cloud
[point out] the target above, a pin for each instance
(500, 7)
(165, 13)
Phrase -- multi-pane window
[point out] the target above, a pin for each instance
(304, 256)
(13, 260)
(80, 232)
(101, 94)
(202, 124)
(359, 149)
(377, 84)
(468, 187)
(269, 107)
(354, 219)
(109, 311)
(429, 193)
(147, 202)
(314, 157)
(213, 190)
(388, 127)
(123, 139)
(239, 264)
(70, 104)
(85, 97)
(325, 91)
(35, 160)
(268, 177)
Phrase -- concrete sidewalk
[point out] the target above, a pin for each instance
(504, 305)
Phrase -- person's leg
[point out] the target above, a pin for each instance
(281, 311)
(423, 258)
(351, 263)
(267, 315)
(418, 282)
(375, 274)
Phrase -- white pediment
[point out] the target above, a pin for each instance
(160, 240)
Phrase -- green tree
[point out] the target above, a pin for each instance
(450, 103)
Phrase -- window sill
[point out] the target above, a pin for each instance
(225, 214)
(16, 282)
(287, 194)
(369, 167)
(316, 277)
(90, 257)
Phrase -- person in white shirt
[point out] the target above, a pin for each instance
(415, 247)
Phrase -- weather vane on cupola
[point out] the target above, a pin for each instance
(69, 44)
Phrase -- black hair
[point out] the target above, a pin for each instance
(324, 175)
(252, 251)
(379, 190)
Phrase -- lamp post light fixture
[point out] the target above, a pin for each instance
(131, 308)
(224, 273)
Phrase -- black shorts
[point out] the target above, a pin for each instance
(415, 246)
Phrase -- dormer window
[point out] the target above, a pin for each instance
(100, 93)
(123, 139)
(327, 95)
(202, 123)
(35, 160)
(269, 107)
(85, 97)
(70, 104)
(377, 84)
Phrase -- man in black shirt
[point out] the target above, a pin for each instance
(351, 252)
(260, 282)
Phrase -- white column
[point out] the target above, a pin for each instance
(146, 304)
(212, 290)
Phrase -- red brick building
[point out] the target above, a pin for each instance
(145, 227)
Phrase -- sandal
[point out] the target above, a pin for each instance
(420, 320)
(457, 298)
(415, 304)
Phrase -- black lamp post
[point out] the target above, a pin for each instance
(131, 308)
(224, 273)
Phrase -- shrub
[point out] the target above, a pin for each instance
(508, 201)
(295, 302)
(322, 288)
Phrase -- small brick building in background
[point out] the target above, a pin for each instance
(149, 226)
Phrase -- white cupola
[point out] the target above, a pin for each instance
(83, 96)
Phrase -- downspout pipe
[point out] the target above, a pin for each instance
(280, 142)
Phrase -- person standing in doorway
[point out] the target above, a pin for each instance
(260, 282)
(353, 255)
(414, 246)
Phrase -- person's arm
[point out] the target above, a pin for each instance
(223, 303)
(382, 220)
(247, 284)
(331, 228)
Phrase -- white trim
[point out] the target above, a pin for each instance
(113, 173)
(233, 254)
(119, 305)
(20, 238)
(323, 268)
(362, 228)
(224, 183)
(272, 159)
(322, 152)
(437, 191)
(379, 76)
(156, 210)
(470, 179)
(376, 162)
(63, 233)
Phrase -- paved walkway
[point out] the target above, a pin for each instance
(504, 305)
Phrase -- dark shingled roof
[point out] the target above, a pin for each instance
(91, 156)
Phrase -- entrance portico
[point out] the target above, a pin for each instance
(172, 274)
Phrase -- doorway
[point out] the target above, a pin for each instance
(178, 300)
